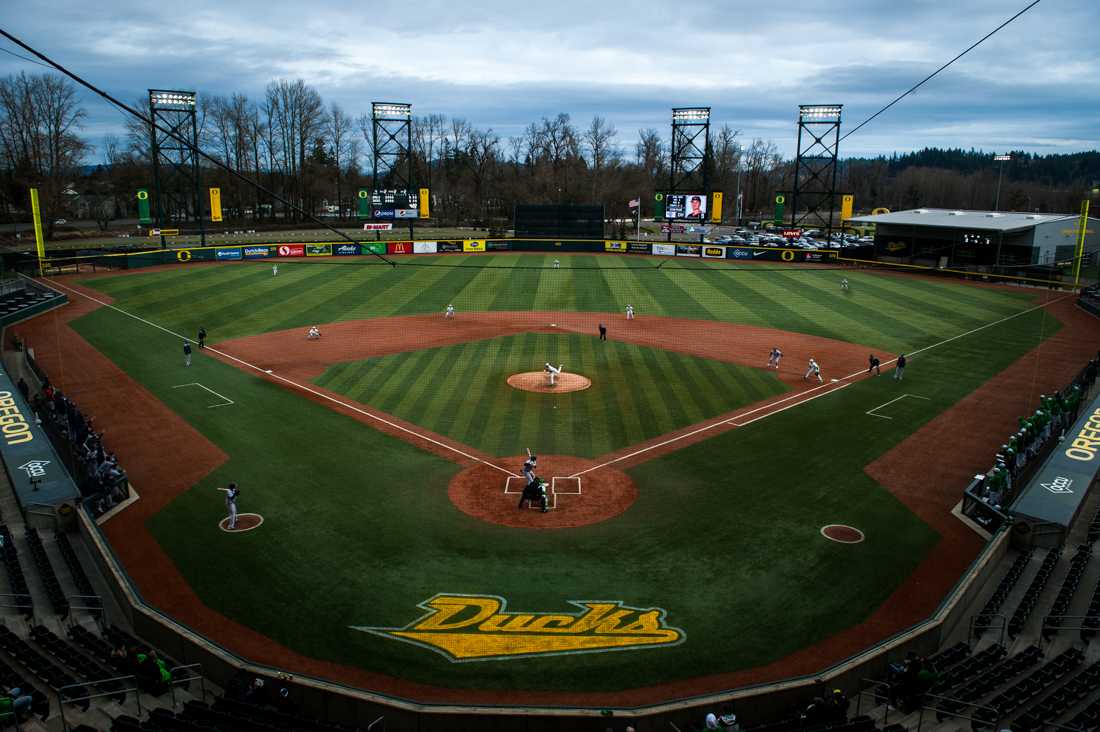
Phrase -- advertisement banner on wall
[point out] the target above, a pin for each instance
(425, 206)
(406, 213)
(637, 247)
(668, 250)
(383, 213)
(615, 246)
(449, 246)
(425, 247)
(345, 250)
(292, 250)
(377, 227)
(399, 247)
(688, 250)
(714, 252)
(372, 247)
(739, 253)
(318, 250)
(473, 245)
(234, 253)
(498, 244)
(818, 256)
(256, 252)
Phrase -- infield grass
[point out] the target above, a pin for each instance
(637, 393)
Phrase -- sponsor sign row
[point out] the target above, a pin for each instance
(344, 249)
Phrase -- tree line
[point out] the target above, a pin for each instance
(317, 155)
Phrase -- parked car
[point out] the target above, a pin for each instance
(60, 222)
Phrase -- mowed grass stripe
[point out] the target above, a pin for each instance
(675, 300)
(225, 283)
(718, 298)
(865, 320)
(331, 302)
(136, 285)
(471, 405)
(425, 387)
(497, 409)
(517, 289)
(593, 293)
(930, 314)
(236, 309)
(641, 397)
(438, 287)
(763, 295)
(451, 382)
(390, 292)
(986, 305)
(627, 288)
(406, 372)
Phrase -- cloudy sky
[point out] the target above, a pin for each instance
(1033, 86)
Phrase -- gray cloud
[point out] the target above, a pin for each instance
(504, 64)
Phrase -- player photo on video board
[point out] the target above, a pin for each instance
(689, 206)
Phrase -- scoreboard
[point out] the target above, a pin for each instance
(395, 204)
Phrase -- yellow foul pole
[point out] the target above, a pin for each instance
(1080, 251)
(39, 244)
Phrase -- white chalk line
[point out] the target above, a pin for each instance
(883, 416)
(732, 420)
(289, 382)
(504, 470)
(226, 399)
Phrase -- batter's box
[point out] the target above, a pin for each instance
(570, 486)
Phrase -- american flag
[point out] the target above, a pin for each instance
(635, 203)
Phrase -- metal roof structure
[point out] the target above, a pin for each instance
(980, 220)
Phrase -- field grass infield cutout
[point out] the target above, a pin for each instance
(883, 416)
(842, 533)
(245, 522)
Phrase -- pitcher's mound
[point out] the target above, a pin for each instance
(536, 381)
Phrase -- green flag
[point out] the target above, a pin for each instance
(364, 203)
(143, 206)
(780, 204)
(658, 206)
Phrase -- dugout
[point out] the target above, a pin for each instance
(1012, 243)
(565, 221)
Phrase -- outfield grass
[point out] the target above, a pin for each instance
(637, 393)
(724, 534)
(231, 300)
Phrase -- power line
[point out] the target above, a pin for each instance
(937, 71)
(29, 60)
(194, 149)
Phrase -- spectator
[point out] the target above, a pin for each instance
(24, 389)
(13, 702)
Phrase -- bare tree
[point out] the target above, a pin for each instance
(599, 139)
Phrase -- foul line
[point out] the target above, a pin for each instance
(732, 420)
(883, 416)
(285, 380)
(227, 400)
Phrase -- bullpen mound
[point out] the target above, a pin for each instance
(536, 381)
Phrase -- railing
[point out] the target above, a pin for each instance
(95, 605)
(382, 720)
(63, 699)
(194, 676)
(971, 637)
(41, 509)
(17, 602)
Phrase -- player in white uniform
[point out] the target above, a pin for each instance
(557, 264)
(450, 314)
(314, 333)
(274, 270)
(553, 373)
(231, 494)
(630, 312)
(773, 357)
(813, 370)
(844, 284)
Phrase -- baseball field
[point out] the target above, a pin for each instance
(685, 549)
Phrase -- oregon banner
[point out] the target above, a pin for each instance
(780, 204)
(716, 206)
(846, 204)
(215, 204)
(364, 204)
(425, 207)
(659, 206)
(143, 206)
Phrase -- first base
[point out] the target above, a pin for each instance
(267, 371)
(832, 381)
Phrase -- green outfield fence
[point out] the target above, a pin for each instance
(382, 252)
